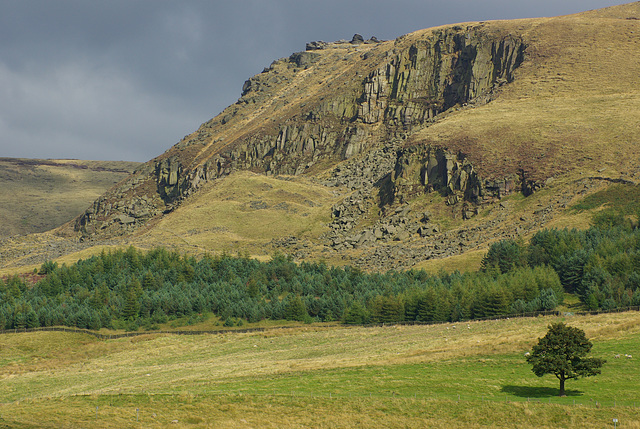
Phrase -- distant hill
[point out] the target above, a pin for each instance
(38, 195)
(396, 154)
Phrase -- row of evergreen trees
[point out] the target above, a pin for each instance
(136, 288)
(601, 265)
(133, 288)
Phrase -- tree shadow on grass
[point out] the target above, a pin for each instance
(538, 392)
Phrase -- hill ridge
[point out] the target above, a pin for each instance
(457, 123)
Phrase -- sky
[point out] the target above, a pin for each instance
(127, 79)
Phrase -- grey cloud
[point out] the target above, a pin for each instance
(125, 79)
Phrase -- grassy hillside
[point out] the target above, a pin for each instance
(245, 212)
(571, 108)
(39, 195)
(566, 121)
(468, 375)
(258, 215)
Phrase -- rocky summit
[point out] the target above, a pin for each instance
(400, 152)
(308, 113)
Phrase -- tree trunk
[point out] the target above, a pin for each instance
(562, 387)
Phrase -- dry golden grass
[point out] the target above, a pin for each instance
(294, 377)
(573, 104)
(38, 195)
(245, 211)
(247, 411)
(467, 262)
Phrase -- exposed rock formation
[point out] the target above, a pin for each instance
(421, 169)
(434, 74)
(387, 91)
(355, 40)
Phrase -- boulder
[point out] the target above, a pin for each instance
(402, 236)
(317, 45)
(425, 231)
(125, 219)
(304, 59)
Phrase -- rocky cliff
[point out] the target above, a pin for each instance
(307, 113)
(417, 148)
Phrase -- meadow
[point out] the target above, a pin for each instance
(446, 375)
(37, 195)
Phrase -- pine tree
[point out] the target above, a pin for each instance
(295, 309)
(356, 314)
(505, 255)
(132, 300)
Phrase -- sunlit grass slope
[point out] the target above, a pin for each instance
(245, 211)
(574, 103)
(463, 375)
(38, 195)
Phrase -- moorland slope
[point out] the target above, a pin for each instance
(37, 195)
(392, 154)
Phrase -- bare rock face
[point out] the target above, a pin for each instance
(331, 114)
(168, 171)
(427, 78)
(304, 59)
(432, 75)
(422, 169)
(357, 39)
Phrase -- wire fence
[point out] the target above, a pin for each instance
(569, 401)
(112, 336)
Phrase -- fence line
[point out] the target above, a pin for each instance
(250, 330)
(133, 334)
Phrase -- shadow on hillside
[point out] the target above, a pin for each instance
(537, 392)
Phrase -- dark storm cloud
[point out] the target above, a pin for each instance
(127, 79)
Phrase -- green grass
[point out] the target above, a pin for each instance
(624, 199)
(277, 411)
(482, 378)
(473, 375)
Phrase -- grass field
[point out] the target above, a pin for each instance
(245, 211)
(465, 375)
(38, 195)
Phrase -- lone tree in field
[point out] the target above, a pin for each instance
(562, 352)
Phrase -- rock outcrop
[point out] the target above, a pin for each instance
(434, 74)
(423, 169)
(388, 90)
